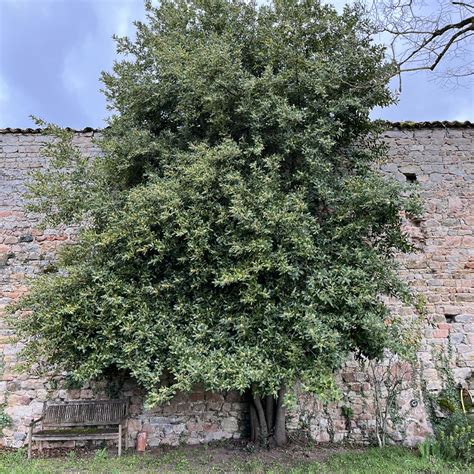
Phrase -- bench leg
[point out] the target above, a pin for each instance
(120, 441)
(30, 435)
(126, 437)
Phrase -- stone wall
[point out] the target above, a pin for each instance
(439, 157)
(442, 162)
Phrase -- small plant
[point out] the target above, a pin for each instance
(307, 415)
(53, 384)
(452, 426)
(455, 436)
(348, 414)
(430, 448)
(330, 427)
(101, 454)
(5, 420)
(425, 448)
(394, 374)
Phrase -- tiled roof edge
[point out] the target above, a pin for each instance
(432, 124)
(40, 130)
(403, 125)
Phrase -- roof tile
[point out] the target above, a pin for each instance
(404, 125)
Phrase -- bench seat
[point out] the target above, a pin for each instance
(75, 434)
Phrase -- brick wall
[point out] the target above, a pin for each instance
(439, 158)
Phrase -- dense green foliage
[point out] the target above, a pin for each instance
(234, 233)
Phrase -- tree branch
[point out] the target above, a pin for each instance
(448, 45)
(422, 38)
(462, 4)
(439, 32)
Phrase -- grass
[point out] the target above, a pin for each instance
(202, 460)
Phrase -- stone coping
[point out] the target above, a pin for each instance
(402, 125)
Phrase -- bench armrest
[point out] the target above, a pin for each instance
(33, 422)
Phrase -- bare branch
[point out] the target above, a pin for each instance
(470, 7)
(439, 32)
(422, 36)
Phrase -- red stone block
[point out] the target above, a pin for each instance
(56, 237)
(441, 333)
(444, 326)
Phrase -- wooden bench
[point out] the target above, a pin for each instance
(80, 421)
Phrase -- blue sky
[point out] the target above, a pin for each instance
(52, 52)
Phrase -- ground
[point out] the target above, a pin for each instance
(230, 458)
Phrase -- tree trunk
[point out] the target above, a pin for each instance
(279, 432)
(267, 420)
(270, 410)
(254, 428)
(262, 421)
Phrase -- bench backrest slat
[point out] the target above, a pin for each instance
(85, 413)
